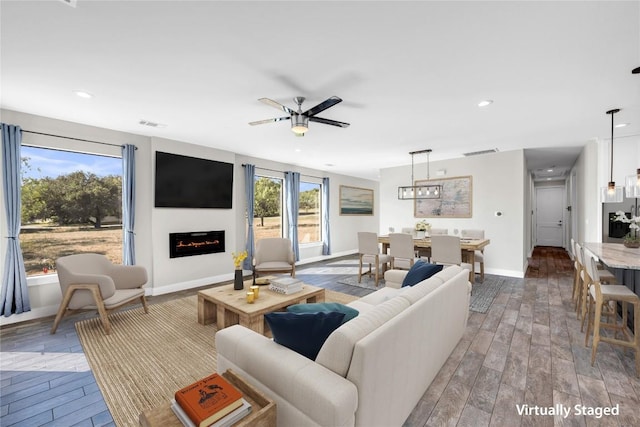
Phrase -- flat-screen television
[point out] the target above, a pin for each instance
(189, 182)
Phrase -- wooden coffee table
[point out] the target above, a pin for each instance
(227, 307)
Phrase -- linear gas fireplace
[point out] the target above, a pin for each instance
(195, 243)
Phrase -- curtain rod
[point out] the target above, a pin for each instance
(75, 139)
(274, 170)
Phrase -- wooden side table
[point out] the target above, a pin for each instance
(263, 410)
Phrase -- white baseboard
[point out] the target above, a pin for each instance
(507, 273)
(36, 313)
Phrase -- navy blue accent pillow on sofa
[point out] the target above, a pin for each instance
(304, 333)
(326, 307)
(420, 271)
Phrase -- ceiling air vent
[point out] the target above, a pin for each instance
(477, 153)
(71, 3)
(151, 124)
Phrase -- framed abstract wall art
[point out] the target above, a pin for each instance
(356, 201)
(455, 200)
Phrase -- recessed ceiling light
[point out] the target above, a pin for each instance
(330, 165)
(297, 150)
(621, 125)
(83, 94)
(485, 103)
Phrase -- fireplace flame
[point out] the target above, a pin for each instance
(181, 244)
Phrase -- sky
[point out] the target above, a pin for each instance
(46, 162)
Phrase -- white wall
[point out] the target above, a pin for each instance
(153, 225)
(498, 185)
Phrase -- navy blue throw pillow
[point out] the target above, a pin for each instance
(420, 271)
(303, 333)
(326, 307)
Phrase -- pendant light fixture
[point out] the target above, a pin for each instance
(417, 192)
(632, 185)
(632, 182)
(611, 193)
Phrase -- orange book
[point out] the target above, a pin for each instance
(209, 399)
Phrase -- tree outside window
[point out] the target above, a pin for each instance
(309, 213)
(267, 207)
(71, 203)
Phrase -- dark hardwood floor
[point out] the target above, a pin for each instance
(527, 349)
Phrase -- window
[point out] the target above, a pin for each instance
(71, 203)
(268, 210)
(267, 207)
(309, 213)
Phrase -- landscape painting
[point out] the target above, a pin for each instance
(356, 201)
(455, 200)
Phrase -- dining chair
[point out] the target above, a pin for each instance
(402, 251)
(369, 253)
(478, 254)
(408, 230)
(446, 250)
(438, 231)
(599, 297)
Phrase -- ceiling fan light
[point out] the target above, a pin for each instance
(299, 124)
(299, 129)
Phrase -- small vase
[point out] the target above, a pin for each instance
(420, 234)
(632, 244)
(238, 282)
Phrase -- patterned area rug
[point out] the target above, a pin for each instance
(366, 282)
(483, 293)
(481, 297)
(148, 357)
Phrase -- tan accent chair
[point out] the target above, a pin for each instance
(402, 251)
(446, 250)
(369, 253)
(600, 298)
(274, 255)
(91, 281)
(479, 254)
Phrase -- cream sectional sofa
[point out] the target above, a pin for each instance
(373, 369)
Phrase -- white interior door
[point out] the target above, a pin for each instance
(549, 214)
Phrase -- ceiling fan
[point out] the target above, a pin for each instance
(300, 120)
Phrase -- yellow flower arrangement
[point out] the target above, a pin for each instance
(238, 258)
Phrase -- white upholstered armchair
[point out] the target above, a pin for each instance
(274, 255)
(91, 281)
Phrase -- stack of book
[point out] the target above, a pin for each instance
(285, 285)
(211, 401)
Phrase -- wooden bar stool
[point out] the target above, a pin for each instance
(604, 276)
(600, 296)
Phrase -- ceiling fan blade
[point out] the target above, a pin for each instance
(322, 106)
(329, 122)
(261, 122)
(277, 105)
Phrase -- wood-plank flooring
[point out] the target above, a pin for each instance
(527, 349)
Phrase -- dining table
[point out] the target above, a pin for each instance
(468, 247)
